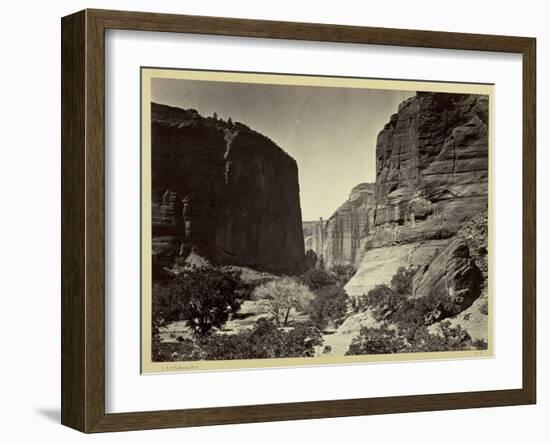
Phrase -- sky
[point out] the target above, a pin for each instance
(330, 131)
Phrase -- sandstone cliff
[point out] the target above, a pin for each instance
(338, 240)
(429, 209)
(431, 168)
(224, 190)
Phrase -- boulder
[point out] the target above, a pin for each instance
(453, 274)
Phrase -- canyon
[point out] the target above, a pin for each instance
(431, 176)
(229, 195)
(427, 210)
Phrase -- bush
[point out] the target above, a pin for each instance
(401, 282)
(394, 304)
(329, 304)
(317, 278)
(183, 350)
(204, 297)
(373, 341)
(343, 273)
(311, 259)
(282, 296)
(484, 308)
(387, 340)
(264, 340)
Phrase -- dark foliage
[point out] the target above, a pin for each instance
(311, 259)
(394, 303)
(484, 308)
(330, 304)
(264, 340)
(343, 273)
(386, 340)
(204, 298)
(382, 340)
(317, 278)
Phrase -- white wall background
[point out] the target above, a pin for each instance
(30, 216)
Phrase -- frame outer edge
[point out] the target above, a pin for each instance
(529, 221)
(83, 218)
(73, 256)
(95, 222)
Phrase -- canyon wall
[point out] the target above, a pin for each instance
(431, 168)
(225, 191)
(429, 208)
(431, 178)
(338, 240)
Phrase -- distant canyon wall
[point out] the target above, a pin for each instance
(225, 191)
(338, 240)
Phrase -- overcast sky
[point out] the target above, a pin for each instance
(330, 132)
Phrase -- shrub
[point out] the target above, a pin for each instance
(317, 278)
(311, 259)
(204, 297)
(264, 340)
(484, 308)
(343, 273)
(328, 304)
(282, 296)
(401, 282)
(394, 304)
(384, 301)
(377, 341)
(184, 350)
(415, 339)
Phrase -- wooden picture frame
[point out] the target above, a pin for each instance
(83, 220)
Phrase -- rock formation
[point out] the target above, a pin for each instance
(429, 208)
(431, 168)
(453, 272)
(431, 171)
(338, 240)
(225, 191)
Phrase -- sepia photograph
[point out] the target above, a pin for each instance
(305, 220)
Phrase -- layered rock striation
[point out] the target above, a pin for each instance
(338, 240)
(225, 191)
(429, 210)
(431, 168)
(431, 175)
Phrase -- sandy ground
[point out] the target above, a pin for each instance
(340, 339)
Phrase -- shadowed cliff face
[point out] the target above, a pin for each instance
(225, 190)
(431, 168)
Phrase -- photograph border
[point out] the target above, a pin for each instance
(288, 79)
(83, 220)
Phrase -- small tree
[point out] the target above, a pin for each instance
(401, 282)
(204, 298)
(330, 304)
(372, 341)
(317, 278)
(311, 259)
(343, 273)
(281, 296)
